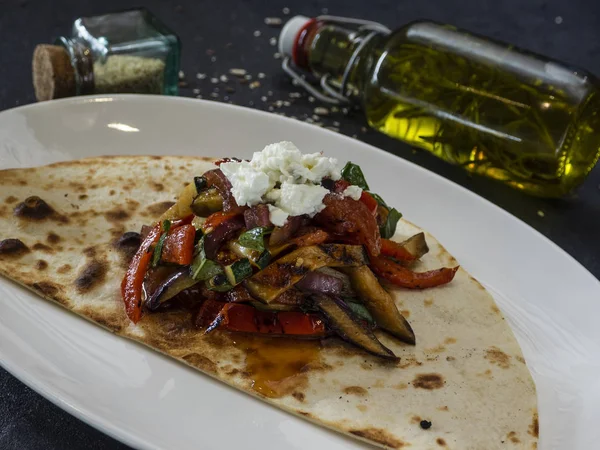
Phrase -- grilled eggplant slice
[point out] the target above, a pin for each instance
(416, 245)
(343, 321)
(282, 274)
(169, 288)
(380, 303)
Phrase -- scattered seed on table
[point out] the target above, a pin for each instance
(311, 99)
(214, 80)
(237, 72)
(254, 84)
(226, 98)
(336, 124)
(196, 91)
(345, 111)
(286, 103)
(286, 10)
(277, 55)
(363, 129)
(295, 95)
(540, 213)
(308, 120)
(334, 109)
(273, 21)
(229, 89)
(354, 136)
(247, 77)
(295, 82)
(271, 108)
(273, 41)
(261, 75)
(214, 95)
(223, 78)
(213, 58)
(558, 20)
(263, 98)
(315, 117)
(257, 33)
(321, 111)
(333, 129)
(201, 76)
(270, 93)
(181, 74)
(198, 96)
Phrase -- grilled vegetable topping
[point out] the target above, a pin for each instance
(238, 271)
(348, 326)
(207, 202)
(281, 275)
(380, 303)
(401, 276)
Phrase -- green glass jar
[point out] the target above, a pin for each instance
(124, 52)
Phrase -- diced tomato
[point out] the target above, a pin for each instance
(401, 276)
(366, 198)
(395, 250)
(179, 245)
(344, 216)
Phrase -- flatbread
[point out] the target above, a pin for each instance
(466, 375)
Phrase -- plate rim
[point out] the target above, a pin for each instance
(120, 433)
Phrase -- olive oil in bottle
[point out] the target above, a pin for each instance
(528, 121)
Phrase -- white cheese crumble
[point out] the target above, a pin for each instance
(354, 192)
(283, 177)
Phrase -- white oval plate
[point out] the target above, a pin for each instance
(149, 401)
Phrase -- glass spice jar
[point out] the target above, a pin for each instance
(123, 52)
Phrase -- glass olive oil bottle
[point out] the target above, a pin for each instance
(517, 117)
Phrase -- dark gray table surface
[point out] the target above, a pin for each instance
(226, 29)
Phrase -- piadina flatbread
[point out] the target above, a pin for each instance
(464, 385)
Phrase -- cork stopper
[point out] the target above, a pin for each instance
(53, 74)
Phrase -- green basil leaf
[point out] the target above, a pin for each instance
(379, 200)
(362, 312)
(202, 268)
(161, 242)
(254, 239)
(354, 175)
(388, 229)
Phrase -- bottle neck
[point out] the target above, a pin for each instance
(82, 61)
(339, 53)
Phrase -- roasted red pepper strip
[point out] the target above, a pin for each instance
(131, 286)
(395, 250)
(179, 245)
(247, 319)
(401, 276)
(314, 237)
(366, 198)
(216, 219)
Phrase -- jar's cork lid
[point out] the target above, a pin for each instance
(53, 74)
